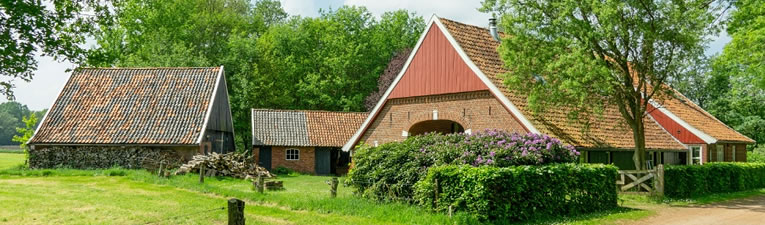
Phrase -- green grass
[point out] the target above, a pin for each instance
(10, 160)
(18, 151)
(70, 196)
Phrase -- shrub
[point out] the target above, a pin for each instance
(757, 154)
(389, 172)
(519, 192)
(684, 181)
(283, 170)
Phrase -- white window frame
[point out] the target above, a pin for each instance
(690, 154)
(296, 154)
(720, 152)
(733, 153)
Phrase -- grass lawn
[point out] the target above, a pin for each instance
(117, 196)
(9, 160)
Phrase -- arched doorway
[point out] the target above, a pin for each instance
(438, 126)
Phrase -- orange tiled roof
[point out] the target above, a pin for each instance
(130, 106)
(304, 127)
(700, 119)
(608, 132)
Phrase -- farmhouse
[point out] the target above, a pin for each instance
(117, 115)
(305, 141)
(452, 83)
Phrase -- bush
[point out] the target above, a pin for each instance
(684, 181)
(757, 154)
(519, 192)
(389, 172)
(283, 170)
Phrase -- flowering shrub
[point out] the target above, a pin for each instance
(389, 172)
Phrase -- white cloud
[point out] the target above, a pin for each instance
(463, 11)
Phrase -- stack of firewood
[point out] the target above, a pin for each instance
(229, 164)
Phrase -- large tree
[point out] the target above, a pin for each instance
(588, 54)
(49, 28)
(744, 56)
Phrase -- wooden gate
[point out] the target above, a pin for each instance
(651, 181)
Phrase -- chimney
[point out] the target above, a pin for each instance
(493, 28)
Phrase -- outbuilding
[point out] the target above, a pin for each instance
(305, 141)
(107, 117)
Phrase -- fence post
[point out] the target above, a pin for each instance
(435, 193)
(235, 212)
(261, 184)
(159, 172)
(333, 187)
(660, 180)
(202, 174)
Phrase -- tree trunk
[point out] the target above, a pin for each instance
(638, 131)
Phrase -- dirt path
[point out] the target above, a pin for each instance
(741, 211)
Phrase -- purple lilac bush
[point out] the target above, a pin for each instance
(499, 148)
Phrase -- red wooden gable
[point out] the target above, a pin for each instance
(436, 69)
(678, 131)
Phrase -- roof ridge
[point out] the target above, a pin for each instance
(686, 101)
(301, 110)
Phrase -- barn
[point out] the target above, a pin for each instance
(452, 82)
(125, 116)
(305, 141)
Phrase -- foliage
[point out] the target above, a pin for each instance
(701, 180)
(12, 115)
(519, 192)
(394, 67)
(389, 172)
(49, 28)
(757, 155)
(27, 131)
(270, 60)
(283, 170)
(744, 56)
(586, 55)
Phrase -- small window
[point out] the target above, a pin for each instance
(696, 155)
(293, 154)
(720, 153)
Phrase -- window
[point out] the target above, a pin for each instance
(293, 154)
(733, 153)
(695, 155)
(720, 152)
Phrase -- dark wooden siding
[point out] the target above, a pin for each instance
(683, 135)
(220, 130)
(436, 69)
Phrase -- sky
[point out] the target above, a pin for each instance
(51, 75)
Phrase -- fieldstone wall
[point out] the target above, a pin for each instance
(95, 157)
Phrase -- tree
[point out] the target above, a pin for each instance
(26, 132)
(394, 67)
(585, 55)
(744, 56)
(52, 28)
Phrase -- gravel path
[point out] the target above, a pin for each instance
(741, 211)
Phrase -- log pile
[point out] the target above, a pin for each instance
(99, 157)
(229, 164)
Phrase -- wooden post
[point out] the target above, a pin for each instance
(659, 189)
(261, 184)
(333, 187)
(202, 174)
(450, 211)
(235, 212)
(435, 193)
(159, 172)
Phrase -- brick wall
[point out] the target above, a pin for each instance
(728, 155)
(473, 110)
(304, 165)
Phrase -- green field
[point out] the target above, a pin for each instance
(117, 196)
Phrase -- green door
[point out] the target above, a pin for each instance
(322, 161)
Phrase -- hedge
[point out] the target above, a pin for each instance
(389, 172)
(520, 192)
(684, 181)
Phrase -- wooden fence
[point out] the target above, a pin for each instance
(642, 181)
